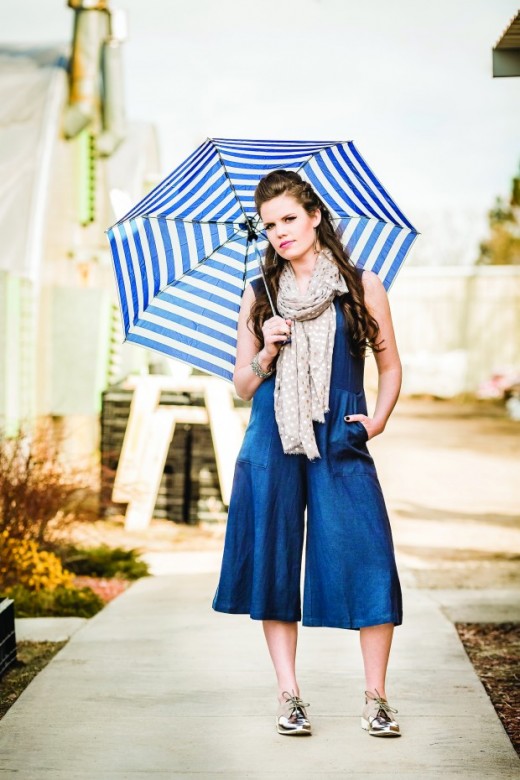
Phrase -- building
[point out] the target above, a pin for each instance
(69, 164)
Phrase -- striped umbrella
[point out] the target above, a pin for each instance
(184, 254)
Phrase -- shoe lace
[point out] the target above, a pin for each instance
(383, 706)
(294, 702)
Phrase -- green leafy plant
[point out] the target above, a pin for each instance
(60, 602)
(104, 561)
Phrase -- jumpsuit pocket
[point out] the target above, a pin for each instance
(256, 446)
(347, 441)
(258, 438)
(362, 429)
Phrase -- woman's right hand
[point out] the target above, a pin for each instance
(276, 331)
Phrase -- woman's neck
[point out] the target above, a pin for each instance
(303, 269)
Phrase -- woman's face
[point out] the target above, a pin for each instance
(289, 227)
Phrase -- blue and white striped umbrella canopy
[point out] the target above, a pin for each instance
(184, 254)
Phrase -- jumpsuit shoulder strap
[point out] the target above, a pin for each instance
(258, 285)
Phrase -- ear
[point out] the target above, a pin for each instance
(316, 218)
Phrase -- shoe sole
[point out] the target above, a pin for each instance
(366, 725)
(295, 733)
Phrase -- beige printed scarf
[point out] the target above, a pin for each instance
(304, 366)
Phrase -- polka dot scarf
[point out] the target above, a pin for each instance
(304, 366)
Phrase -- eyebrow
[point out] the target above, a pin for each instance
(290, 214)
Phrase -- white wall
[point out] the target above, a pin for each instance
(454, 327)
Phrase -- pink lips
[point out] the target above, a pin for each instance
(285, 243)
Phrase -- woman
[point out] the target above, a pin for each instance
(305, 448)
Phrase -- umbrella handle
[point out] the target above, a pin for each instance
(287, 340)
(273, 307)
(262, 271)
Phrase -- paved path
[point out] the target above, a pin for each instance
(159, 686)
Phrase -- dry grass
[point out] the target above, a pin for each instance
(39, 496)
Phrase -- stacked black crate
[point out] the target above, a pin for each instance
(189, 490)
(115, 410)
(207, 504)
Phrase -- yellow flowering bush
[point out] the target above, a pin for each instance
(22, 562)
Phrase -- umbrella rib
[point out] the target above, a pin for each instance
(215, 250)
(228, 177)
(328, 146)
(188, 221)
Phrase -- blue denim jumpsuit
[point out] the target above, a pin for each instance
(351, 579)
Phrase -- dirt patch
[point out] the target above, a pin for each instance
(449, 474)
(32, 657)
(494, 651)
(159, 536)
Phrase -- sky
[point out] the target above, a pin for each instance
(409, 81)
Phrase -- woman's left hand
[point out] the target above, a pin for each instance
(373, 427)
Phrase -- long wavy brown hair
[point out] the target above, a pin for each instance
(364, 329)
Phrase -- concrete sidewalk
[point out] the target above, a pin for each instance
(158, 685)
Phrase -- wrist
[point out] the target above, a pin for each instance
(265, 360)
(262, 367)
(380, 424)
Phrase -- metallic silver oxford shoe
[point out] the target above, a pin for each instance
(377, 717)
(291, 718)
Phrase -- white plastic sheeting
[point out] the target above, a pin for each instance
(33, 87)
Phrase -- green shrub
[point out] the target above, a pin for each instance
(104, 561)
(60, 602)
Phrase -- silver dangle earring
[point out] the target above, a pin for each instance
(316, 250)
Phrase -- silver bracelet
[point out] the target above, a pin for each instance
(257, 368)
